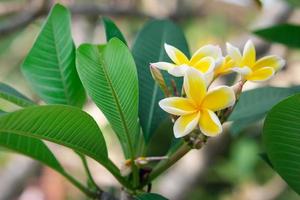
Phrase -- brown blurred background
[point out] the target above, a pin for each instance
(228, 168)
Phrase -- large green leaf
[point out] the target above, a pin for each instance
(281, 137)
(287, 34)
(60, 124)
(239, 125)
(148, 48)
(109, 75)
(50, 64)
(257, 102)
(32, 147)
(10, 94)
(150, 196)
(111, 30)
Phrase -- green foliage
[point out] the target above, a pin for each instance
(254, 104)
(109, 75)
(10, 94)
(150, 196)
(287, 34)
(50, 65)
(295, 3)
(121, 85)
(149, 47)
(60, 124)
(111, 30)
(32, 147)
(281, 138)
(257, 102)
(265, 158)
(239, 125)
(242, 161)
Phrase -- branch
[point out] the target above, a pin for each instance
(34, 10)
(10, 8)
(28, 15)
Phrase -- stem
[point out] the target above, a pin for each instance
(114, 170)
(81, 187)
(166, 164)
(88, 172)
(135, 175)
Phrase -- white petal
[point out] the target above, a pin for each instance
(210, 124)
(219, 63)
(185, 124)
(207, 50)
(178, 71)
(205, 65)
(249, 54)
(163, 65)
(273, 61)
(244, 71)
(177, 105)
(234, 53)
(219, 98)
(176, 55)
(208, 77)
(194, 85)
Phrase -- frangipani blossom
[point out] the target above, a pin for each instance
(204, 60)
(224, 67)
(199, 106)
(250, 68)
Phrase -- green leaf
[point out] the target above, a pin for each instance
(287, 34)
(257, 102)
(295, 3)
(111, 30)
(150, 196)
(148, 48)
(239, 125)
(2, 112)
(31, 147)
(10, 94)
(109, 75)
(281, 138)
(64, 125)
(50, 64)
(264, 157)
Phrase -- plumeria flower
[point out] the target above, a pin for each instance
(250, 68)
(224, 67)
(199, 107)
(204, 60)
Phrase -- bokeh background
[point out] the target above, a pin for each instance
(228, 168)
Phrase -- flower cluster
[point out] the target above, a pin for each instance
(198, 106)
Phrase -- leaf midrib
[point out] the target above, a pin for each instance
(155, 90)
(59, 65)
(115, 96)
(15, 100)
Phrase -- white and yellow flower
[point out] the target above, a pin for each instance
(224, 67)
(199, 107)
(250, 68)
(204, 60)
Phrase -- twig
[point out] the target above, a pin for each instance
(9, 8)
(88, 172)
(28, 15)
